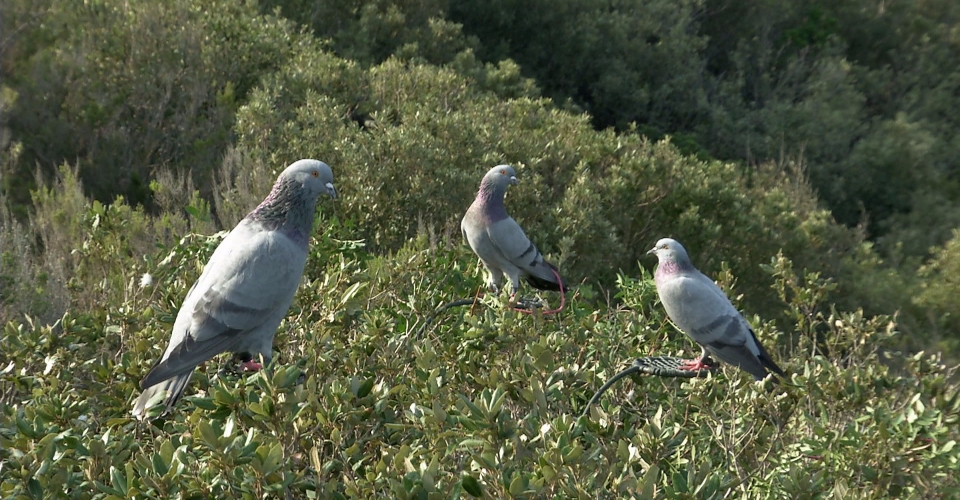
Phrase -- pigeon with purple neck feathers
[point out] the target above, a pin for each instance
(698, 307)
(246, 287)
(498, 240)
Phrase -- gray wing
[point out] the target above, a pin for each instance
(468, 228)
(209, 334)
(517, 249)
(732, 346)
(702, 311)
(755, 347)
(251, 275)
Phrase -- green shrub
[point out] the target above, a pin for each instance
(485, 402)
(124, 88)
(74, 253)
(939, 286)
(594, 201)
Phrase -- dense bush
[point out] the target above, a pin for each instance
(832, 85)
(601, 57)
(938, 291)
(865, 95)
(126, 88)
(487, 402)
(131, 132)
(596, 201)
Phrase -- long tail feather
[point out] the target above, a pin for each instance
(173, 388)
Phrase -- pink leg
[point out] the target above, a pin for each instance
(694, 364)
(251, 366)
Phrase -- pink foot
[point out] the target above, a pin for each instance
(251, 366)
(694, 365)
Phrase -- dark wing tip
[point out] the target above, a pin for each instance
(770, 365)
(159, 373)
(541, 283)
(765, 360)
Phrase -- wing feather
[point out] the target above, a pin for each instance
(513, 243)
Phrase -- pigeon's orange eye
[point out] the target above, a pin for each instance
(503, 172)
(315, 173)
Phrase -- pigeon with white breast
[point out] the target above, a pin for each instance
(498, 240)
(246, 287)
(700, 308)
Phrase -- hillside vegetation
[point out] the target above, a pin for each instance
(805, 155)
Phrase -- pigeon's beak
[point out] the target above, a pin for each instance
(652, 251)
(332, 191)
(514, 180)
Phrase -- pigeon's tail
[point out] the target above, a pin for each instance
(765, 358)
(552, 283)
(769, 364)
(173, 388)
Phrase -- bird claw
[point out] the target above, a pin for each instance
(694, 365)
(251, 366)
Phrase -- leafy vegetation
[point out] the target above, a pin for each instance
(804, 153)
(486, 403)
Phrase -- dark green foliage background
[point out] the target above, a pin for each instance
(766, 136)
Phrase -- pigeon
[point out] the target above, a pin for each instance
(498, 240)
(701, 310)
(245, 288)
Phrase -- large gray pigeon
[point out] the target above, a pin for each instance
(498, 240)
(246, 287)
(698, 307)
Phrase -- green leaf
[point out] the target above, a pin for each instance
(204, 403)
(160, 466)
(25, 428)
(518, 485)
(100, 486)
(365, 388)
(208, 435)
(472, 443)
(36, 491)
(648, 482)
(474, 410)
(272, 460)
(118, 479)
(471, 485)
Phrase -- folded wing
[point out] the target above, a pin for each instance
(520, 252)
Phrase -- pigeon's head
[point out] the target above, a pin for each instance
(501, 176)
(314, 176)
(669, 250)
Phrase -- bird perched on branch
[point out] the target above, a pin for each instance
(500, 242)
(698, 307)
(246, 287)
